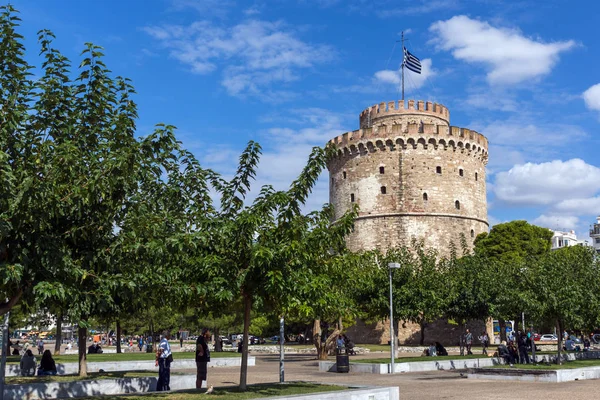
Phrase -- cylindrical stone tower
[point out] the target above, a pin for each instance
(412, 175)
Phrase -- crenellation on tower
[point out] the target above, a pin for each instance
(433, 184)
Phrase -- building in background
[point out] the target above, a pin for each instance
(595, 234)
(562, 239)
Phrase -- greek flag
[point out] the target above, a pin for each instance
(411, 62)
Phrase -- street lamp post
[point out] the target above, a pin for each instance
(392, 335)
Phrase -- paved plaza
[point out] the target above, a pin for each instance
(424, 385)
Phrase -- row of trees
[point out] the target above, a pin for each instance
(97, 221)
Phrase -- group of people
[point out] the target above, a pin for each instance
(164, 358)
(513, 352)
(343, 342)
(29, 365)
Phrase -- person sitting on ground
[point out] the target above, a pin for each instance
(569, 344)
(28, 364)
(505, 354)
(47, 365)
(432, 350)
(512, 349)
(16, 349)
(586, 343)
(440, 350)
(349, 344)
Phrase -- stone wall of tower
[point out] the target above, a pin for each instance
(413, 176)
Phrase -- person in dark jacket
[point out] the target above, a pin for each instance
(440, 350)
(523, 355)
(504, 353)
(202, 357)
(47, 365)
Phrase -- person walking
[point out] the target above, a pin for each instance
(468, 341)
(40, 346)
(202, 357)
(164, 358)
(485, 342)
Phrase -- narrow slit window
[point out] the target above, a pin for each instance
(476, 176)
(344, 174)
(461, 172)
(438, 170)
(472, 233)
(425, 197)
(382, 170)
(352, 197)
(457, 204)
(383, 190)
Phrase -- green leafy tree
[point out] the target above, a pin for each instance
(509, 248)
(567, 289)
(262, 245)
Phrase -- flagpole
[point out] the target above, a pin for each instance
(403, 58)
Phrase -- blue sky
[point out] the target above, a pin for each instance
(292, 74)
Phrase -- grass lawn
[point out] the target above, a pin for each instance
(233, 393)
(412, 359)
(565, 365)
(112, 357)
(73, 377)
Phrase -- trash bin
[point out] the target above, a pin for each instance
(342, 361)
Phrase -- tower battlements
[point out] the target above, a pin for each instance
(413, 175)
(370, 115)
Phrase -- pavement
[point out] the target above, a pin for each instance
(415, 385)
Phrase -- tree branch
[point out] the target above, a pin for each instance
(6, 307)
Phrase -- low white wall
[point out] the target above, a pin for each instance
(563, 375)
(148, 365)
(415, 366)
(379, 393)
(97, 387)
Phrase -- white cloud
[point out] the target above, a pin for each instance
(592, 97)
(584, 206)
(419, 7)
(557, 222)
(391, 77)
(547, 183)
(289, 145)
(509, 56)
(252, 55)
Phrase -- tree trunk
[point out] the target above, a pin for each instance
(118, 336)
(218, 341)
(340, 324)
(422, 325)
(82, 340)
(58, 338)
(559, 328)
(244, 369)
(502, 325)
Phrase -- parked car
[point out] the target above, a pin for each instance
(548, 337)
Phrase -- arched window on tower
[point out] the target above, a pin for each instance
(344, 174)
(461, 172)
(438, 170)
(383, 190)
(382, 170)
(457, 204)
(425, 197)
(352, 197)
(472, 233)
